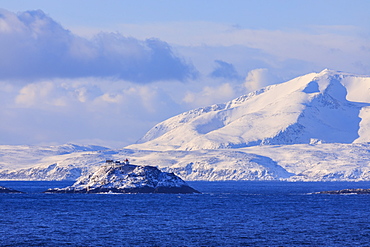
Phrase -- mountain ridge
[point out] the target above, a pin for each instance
(323, 107)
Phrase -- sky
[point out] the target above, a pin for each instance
(105, 72)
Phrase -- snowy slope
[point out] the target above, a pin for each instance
(19, 156)
(64, 162)
(325, 107)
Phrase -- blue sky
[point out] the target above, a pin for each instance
(104, 72)
(266, 14)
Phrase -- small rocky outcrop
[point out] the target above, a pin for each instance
(127, 178)
(346, 192)
(7, 190)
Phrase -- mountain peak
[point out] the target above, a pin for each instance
(328, 71)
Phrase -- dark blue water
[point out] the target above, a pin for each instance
(227, 214)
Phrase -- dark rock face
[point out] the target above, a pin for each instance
(126, 178)
(346, 192)
(7, 190)
(140, 190)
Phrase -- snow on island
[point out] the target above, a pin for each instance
(7, 190)
(122, 177)
(346, 192)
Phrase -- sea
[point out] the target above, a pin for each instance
(267, 213)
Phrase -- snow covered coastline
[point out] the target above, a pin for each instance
(299, 162)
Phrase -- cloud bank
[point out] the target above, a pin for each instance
(292, 51)
(109, 89)
(32, 45)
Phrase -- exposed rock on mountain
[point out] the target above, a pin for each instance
(126, 178)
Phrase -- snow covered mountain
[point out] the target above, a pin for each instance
(312, 128)
(63, 162)
(325, 107)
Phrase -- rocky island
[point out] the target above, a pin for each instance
(122, 177)
(346, 192)
(7, 190)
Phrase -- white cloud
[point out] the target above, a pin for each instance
(39, 94)
(210, 95)
(32, 45)
(104, 110)
(111, 98)
(313, 47)
(258, 78)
